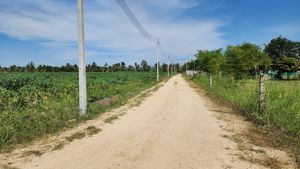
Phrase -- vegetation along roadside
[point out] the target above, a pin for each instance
(36, 104)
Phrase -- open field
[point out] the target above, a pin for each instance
(35, 104)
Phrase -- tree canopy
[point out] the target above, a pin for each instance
(31, 67)
(280, 46)
(210, 61)
(237, 60)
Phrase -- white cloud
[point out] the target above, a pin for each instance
(288, 30)
(108, 31)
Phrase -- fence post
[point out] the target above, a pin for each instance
(194, 69)
(210, 80)
(262, 92)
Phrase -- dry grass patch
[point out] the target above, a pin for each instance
(91, 130)
(108, 101)
(77, 135)
(37, 153)
(59, 146)
(111, 119)
(8, 167)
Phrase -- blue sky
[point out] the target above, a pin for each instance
(44, 31)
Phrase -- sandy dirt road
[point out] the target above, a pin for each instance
(173, 128)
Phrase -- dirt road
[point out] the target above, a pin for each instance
(173, 128)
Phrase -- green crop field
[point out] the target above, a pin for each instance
(282, 100)
(35, 104)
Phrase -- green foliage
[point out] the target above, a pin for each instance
(286, 64)
(280, 46)
(281, 54)
(210, 61)
(30, 67)
(35, 104)
(238, 61)
(246, 58)
(285, 55)
(145, 66)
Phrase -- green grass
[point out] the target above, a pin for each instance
(282, 100)
(37, 104)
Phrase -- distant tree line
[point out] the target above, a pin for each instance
(143, 66)
(280, 55)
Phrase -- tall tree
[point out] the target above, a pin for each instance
(209, 61)
(145, 66)
(244, 59)
(137, 66)
(30, 67)
(280, 46)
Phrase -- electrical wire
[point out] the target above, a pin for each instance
(133, 19)
(125, 8)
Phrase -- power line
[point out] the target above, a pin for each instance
(162, 51)
(137, 24)
(133, 19)
(125, 8)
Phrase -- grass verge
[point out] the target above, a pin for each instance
(278, 127)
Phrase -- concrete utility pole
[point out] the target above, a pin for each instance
(81, 59)
(157, 61)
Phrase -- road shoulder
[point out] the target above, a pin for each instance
(252, 143)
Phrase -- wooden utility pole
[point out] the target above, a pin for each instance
(262, 92)
(81, 59)
(193, 68)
